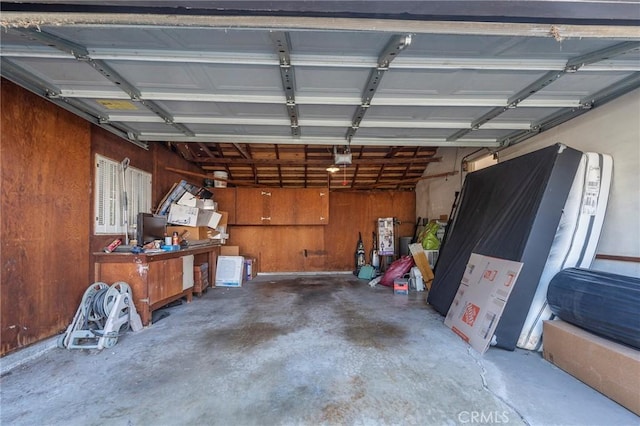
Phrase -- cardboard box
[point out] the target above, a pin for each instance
(229, 251)
(483, 293)
(192, 233)
(193, 216)
(609, 367)
(400, 286)
(229, 271)
(191, 200)
(187, 199)
(251, 267)
(222, 227)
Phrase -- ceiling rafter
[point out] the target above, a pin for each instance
(382, 166)
(226, 166)
(412, 181)
(408, 166)
(277, 150)
(393, 150)
(306, 166)
(247, 149)
(242, 150)
(185, 151)
(206, 150)
(357, 168)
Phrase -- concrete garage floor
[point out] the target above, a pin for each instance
(306, 350)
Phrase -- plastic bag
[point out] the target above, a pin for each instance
(396, 270)
(428, 237)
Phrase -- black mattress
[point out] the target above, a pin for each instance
(510, 211)
(601, 302)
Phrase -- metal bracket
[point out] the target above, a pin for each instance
(549, 77)
(282, 43)
(82, 54)
(578, 62)
(613, 91)
(395, 45)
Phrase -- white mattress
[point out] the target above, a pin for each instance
(576, 238)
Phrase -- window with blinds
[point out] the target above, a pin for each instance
(110, 196)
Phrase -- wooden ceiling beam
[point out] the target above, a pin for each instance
(242, 150)
(408, 168)
(355, 173)
(204, 148)
(412, 180)
(185, 151)
(277, 149)
(393, 151)
(306, 157)
(247, 154)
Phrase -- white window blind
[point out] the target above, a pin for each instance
(109, 196)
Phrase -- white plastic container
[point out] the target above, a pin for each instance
(415, 281)
(220, 183)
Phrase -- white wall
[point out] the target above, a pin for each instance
(612, 129)
(434, 197)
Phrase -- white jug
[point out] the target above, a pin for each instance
(415, 280)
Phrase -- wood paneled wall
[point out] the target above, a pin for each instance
(45, 216)
(353, 212)
(153, 161)
(46, 210)
(325, 247)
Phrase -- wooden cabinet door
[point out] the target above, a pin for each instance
(155, 281)
(250, 206)
(226, 199)
(281, 206)
(173, 269)
(312, 206)
(164, 279)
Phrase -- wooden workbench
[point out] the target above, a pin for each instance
(155, 278)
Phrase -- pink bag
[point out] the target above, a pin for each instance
(396, 270)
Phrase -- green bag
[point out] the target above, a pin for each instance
(428, 237)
